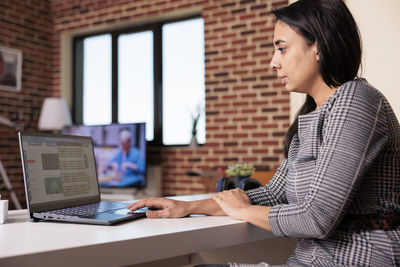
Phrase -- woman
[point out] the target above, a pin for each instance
(338, 189)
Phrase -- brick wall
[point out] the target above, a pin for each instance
(24, 25)
(247, 110)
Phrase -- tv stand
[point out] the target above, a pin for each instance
(152, 189)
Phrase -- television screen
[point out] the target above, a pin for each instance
(120, 151)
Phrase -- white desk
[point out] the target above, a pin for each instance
(24, 243)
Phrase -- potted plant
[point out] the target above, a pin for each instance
(238, 176)
(240, 171)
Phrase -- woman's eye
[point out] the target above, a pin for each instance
(282, 49)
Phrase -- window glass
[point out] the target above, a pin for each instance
(183, 81)
(97, 80)
(135, 80)
(182, 91)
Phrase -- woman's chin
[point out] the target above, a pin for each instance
(293, 90)
(289, 88)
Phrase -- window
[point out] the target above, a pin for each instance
(97, 82)
(152, 74)
(183, 81)
(135, 80)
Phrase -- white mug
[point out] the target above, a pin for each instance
(3, 211)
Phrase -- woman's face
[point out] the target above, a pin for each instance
(294, 60)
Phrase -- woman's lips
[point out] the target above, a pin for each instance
(283, 80)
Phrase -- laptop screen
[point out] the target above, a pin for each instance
(59, 171)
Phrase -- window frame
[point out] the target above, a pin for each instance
(77, 73)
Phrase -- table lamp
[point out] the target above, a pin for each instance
(54, 114)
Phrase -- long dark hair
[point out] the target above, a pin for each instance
(330, 24)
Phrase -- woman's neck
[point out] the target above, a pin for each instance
(321, 92)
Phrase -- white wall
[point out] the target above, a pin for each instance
(379, 24)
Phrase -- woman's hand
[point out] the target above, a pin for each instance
(174, 209)
(233, 202)
(163, 207)
(237, 205)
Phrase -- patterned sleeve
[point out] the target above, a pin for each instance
(274, 192)
(354, 134)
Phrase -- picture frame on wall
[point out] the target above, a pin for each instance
(10, 69)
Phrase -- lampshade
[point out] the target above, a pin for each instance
(54, 114)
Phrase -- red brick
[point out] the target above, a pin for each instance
(240, 104)
(221, 105)
(231, 111)
(260, 118)
(240, 87)
(228, 19)
(220, 152)
(239, 57)
(220, 44)
(239, 42)
(248, 127)
(228, 35)
(269, 126)
(228, 144)
(231, 159)
(240, 72)
(211, 160)
(249, 95)
(221, 135)
(247, 48)
(248, 63)
(259, 23)
(229, 66)
(270, 143)
(250, 143)
(252, 110)
(225, 97)
(260, 135)
(240, 135)
(212, 144)
(220, 14)
(281, 101)
(239, 151)
(260, 151)
(230, 128)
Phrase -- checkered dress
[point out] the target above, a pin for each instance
(345, 160)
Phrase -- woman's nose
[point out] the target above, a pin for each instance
(274, 64)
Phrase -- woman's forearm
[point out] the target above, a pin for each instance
(257, 215)
(205, 206)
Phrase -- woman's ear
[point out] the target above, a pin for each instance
(316, 51)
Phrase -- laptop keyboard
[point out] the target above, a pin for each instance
(88, 210)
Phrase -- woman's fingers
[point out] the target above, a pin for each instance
(150, 203)
(163, 207)
(153, 214)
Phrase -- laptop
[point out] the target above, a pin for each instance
(61, 184)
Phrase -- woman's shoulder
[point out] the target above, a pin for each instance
(360, 89)
(356, 93)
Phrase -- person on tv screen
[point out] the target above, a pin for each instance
(127, 167)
